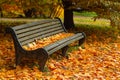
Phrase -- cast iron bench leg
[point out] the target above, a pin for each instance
(18, 58)
(82, 40)
(42, 60)
(64, 50)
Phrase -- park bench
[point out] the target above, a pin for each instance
(27, 33)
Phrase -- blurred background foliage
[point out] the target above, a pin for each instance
(108, 9)
(30, 8)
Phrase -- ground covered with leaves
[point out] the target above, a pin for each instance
(95, 60)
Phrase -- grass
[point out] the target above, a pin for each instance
(90, 21)
(85, 14)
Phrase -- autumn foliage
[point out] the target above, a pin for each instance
(97, 60)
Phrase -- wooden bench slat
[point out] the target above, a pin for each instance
(51, 46)
(68, 41)
(38, 37)
(23, 30)
(34, 24)
(40, 30)
(50, 31)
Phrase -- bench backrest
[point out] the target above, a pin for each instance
(27, 33)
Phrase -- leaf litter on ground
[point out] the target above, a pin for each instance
(97, 60)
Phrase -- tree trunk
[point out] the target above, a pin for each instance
(30, 12)
(68, 14)
(1, 14)
(68, 19)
